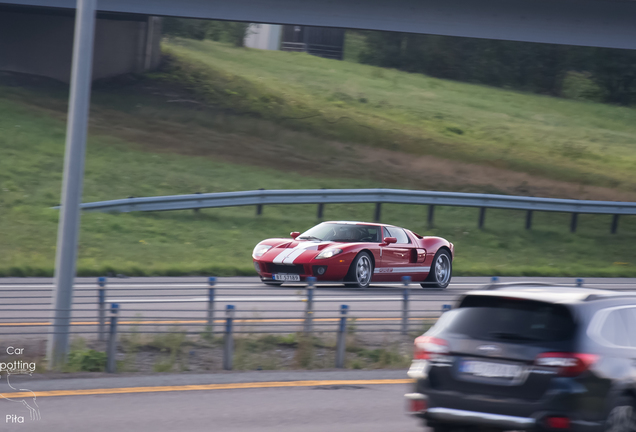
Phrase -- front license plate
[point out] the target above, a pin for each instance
(490, 370)
(286, 277)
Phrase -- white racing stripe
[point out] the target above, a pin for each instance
(290, 254)
(281, 256)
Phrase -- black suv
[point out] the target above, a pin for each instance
(529, 357)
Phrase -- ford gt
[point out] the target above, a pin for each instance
(356, 253)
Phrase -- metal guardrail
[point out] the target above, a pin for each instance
(377, 196)
(108, 310)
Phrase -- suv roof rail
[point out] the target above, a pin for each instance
(494, 286)
(609, 295)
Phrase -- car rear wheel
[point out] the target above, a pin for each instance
(441, 271)
(360, 272)
(622, 417)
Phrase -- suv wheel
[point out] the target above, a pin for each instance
(622, 418)
(456, 428)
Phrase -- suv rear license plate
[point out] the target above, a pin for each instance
(286, 277)
(490, 370)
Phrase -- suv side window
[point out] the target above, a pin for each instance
(399, 234)
(614, 329)
(628, 316)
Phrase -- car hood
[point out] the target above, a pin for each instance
(286, 252)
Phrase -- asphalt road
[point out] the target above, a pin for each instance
(357, 406)
(157, 303)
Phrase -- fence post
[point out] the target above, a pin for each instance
(211, 292)
(615, 224)
(574, 222)
(529, 219)
(378, 212)
(482, 217)
(405, 305)
(111, 364)
(341, 344)
(228, 348)
(321, 207)
(259, 207)
(309, 310)
(431, 214)
(101, 308)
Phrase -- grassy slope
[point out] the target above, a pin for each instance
(561, 139)
(220, 241)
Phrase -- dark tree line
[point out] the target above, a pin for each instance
(224, 31)
(602, 74)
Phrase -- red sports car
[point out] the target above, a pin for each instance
(356, 253)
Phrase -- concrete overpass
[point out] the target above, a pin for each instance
(39, 41)
(602, 23)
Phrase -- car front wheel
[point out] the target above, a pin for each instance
(360, 272)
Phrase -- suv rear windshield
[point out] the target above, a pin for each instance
(509, 319)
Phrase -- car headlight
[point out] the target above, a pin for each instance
(328, 253)
(259, 250)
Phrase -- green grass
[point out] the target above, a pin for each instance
(589, 143)
(219, 241)
(143, 144)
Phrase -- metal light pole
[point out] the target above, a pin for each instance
(68, 228)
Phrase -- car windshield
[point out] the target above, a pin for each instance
(340, 232)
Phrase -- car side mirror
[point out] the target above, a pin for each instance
(389, 240)
(294, 234)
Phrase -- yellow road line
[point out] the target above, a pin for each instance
(204, 321)
(253, 385)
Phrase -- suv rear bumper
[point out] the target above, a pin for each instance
(455, 416)
(437, 414)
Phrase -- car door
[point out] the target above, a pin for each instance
(396, 257)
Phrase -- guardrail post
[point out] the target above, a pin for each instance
(482, 217)
(321, 207)
(211, 292)
(573, 222)
(579, 282)
(529, 219)
(614, 224)
(431, 214)
(378, 212)
(101, 307)
(259, 207)
(309, 310)
(228, 343)
(111, 364)
(342, 337)
(405, 305)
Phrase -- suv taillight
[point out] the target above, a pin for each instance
(568, 364)
(427, 347)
